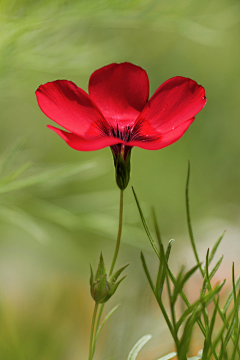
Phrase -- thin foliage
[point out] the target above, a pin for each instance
(219, 343)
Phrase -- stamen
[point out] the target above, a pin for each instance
(124, 135)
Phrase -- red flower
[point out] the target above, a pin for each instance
(117, 112)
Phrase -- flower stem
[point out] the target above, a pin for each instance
(93, 342)
(119, 233)
(92, 331)
(97, 327)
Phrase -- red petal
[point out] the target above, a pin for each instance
(175, 101)
(120, 91)
(69, 106)
(165, 139)
(82, 144)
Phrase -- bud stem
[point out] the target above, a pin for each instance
(93, 343)
(92, 332)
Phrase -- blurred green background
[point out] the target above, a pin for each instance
(59, 207)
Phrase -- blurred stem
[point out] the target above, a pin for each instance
(93, 345)
(91, 352)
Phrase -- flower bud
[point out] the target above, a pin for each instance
(121, 156)
(101, 287)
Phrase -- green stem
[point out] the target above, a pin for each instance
(97, 327)
(92, 331)
(119, 233)
(190, 230)
(93, 344)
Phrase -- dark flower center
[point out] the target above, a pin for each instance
(124, 135)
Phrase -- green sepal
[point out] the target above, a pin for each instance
(115, 276)
(101, 268)
(122, 170)
(113, 289)
(91, 280)
(102, 287)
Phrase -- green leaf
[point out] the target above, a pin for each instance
(14, 174)
(230, 297)
(215, 247)
(223, 352)
(206, 282)
(160, 280)
(156, 228)
(179, 286)
(233, 321)
(104, 322)
(187, 333)
(208, 339)
(25, 221)
(222, 315)
(234, 335)
(161, 274)
(138, 346)
(233, 285)
(7, 158)
(115, 276)
(231, 314)
(206, 299)
(154, 246)
(204, 285)
(236, 345)
(160, 303)
(147, 273)
(207, 265)
(168, 356)
(213, 320)
(59, 172)
(215, 268)
(183, 296)
(189, 274)
(170, 243)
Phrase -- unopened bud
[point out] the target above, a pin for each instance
(101, 287)
(122, 156)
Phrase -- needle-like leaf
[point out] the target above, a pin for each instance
(154, 246)
(215, 247)
(138, 346)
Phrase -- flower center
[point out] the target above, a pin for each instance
(124, 135)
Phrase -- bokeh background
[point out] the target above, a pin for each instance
(59, 207)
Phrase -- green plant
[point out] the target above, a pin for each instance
(216, 343)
